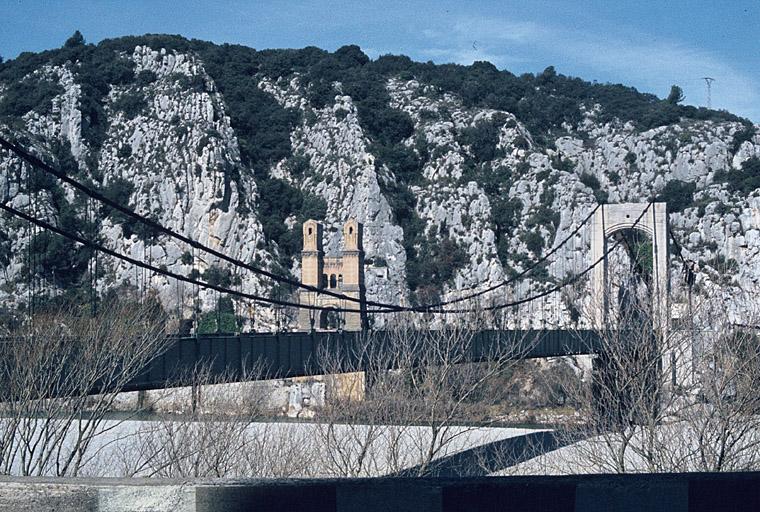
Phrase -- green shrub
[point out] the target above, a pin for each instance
(145, 78)
(124, 151)
(221, 320)
(405, 164)
(592, 182)
(299, 166)
(741, 136)
(533, 241)
(277, 201)
(505, 213)
(119, 191)
(483, 137)
(30, 94)
(131, 103)
(678, 194)
(745, 180)
(434, 264)
(562, 164)
(219, 276)
(192, 83)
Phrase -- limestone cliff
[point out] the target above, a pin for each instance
(461, 195)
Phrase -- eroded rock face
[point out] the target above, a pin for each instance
(177, 154)
(180, 153)
(342, 172)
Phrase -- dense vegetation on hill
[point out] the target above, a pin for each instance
(544, 103)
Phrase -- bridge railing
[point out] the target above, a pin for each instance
(296, 354)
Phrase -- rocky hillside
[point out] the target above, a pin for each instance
(462, 175)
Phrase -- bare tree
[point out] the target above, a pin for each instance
(719, 418)
(216, 430)
(674, 395)
(61, 374)
(425, 392)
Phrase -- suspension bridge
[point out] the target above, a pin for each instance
(522, 321)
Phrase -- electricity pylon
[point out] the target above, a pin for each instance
(709, 80)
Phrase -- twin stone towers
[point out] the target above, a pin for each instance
(342, 274)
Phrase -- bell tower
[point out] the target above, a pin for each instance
(311, 256)
(343, 274)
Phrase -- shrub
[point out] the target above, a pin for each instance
(543, 216)
(277, 201)
(745, 180)
(27, 95)
(192, 83)
(533, 241)
(434, 264)
(76, 39)
(221, 320)
(562, 164)
(405, 164)
(131, 103)
(119, 191)
(219, 276)
(505, 213)
(299, 166)
(592, 182)
(678, 194)
(145, 77)
(124, 151)
(741, 136)
(482, 138)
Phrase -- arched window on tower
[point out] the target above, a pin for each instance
(323, 282)
(340, 280)
(333, 281)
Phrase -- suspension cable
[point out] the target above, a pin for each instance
(148, 267)
(428, 307)
(155, 226)
(36, 162)
(554, 289)
(279, 302)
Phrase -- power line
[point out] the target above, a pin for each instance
(36, 162)
(514, 278)
(559, 286)
(100, 248)
(266, 300)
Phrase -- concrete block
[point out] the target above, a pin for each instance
(633, 494)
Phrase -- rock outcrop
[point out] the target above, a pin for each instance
(177, 148)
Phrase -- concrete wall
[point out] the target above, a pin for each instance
(296, 397)
(695, 492)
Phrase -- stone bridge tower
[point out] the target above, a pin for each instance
(610, 219)
(342, 274)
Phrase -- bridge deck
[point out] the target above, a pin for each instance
(286, 355)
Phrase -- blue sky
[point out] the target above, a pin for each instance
(646, 43)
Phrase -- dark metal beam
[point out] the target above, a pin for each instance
(287, 355)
